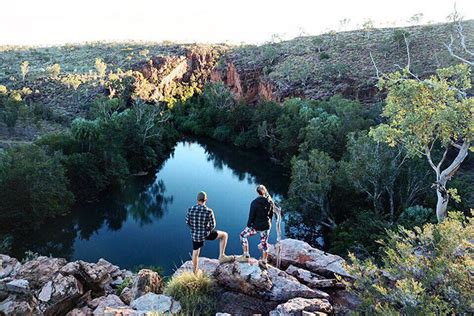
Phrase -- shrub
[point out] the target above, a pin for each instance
(123, 285)
(424, 271)
(416, 216)
(195, 292)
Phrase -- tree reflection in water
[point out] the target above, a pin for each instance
(142, 199)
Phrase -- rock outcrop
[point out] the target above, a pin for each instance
(306, 285)
(307, 282)
(52, 286)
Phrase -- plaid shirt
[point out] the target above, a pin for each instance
(201, 221)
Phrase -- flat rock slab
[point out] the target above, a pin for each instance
(302, 306)
(160, 303)
(301, 254)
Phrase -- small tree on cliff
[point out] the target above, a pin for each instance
(427, 115)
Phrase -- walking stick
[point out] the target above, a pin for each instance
(277, 210)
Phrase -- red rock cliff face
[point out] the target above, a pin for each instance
(245, 84)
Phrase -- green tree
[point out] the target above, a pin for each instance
(33, 186)
(311, 182)
(424, 271)
(424, 115)
(373, 168)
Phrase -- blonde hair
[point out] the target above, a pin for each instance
(262, 190)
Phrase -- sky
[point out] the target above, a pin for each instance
(52, 22)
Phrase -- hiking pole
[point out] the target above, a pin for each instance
(277, 210)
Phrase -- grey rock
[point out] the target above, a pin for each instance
(93, 276)
(312, 279)
(156, 303)
(18, 286)
(113, 270)
(301, 306)
(40, 270)
(101, 303)
(60, 295)
(208, 266)
(8, 266)
(301, 254)
(13, 306)
(124, 311)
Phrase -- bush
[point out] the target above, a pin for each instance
(416, 216)
(195, 292)
(424, 271)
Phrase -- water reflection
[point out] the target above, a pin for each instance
(137, 224)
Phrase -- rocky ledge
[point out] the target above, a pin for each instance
(305, 284)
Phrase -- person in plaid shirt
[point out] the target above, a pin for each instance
(202, 223)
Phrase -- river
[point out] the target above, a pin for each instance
(143, 223)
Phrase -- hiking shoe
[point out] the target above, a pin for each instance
(224, 259)
(263, 264)
(243, 258)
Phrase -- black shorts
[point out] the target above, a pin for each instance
(198, 244)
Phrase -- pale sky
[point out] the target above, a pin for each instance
(46, 22)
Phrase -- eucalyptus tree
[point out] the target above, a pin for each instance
(428, 115)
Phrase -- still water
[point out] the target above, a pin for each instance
(143, 224)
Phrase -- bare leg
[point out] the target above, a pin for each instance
(222, 236)
(245, 248)
(195, 260)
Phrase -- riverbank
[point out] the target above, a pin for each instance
(305, 281)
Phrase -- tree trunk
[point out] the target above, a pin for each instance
(392, 206)
(442, 204)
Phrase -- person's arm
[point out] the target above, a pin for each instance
(188, 219)
(212, 220)
(252, 213)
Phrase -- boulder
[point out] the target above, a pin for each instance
(113, 270)
(301, 254)
(93, 276)
(160, 303)
(286, 287)
(147, 281)
(8, 266)
(18, 286)
(312, 279)
(101, 303)
(233, 303)
(14, 306)
(208, 266)
(126, 296)
(300, 306)
(40, 270)
(60, 295)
